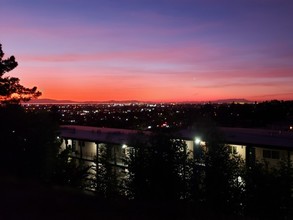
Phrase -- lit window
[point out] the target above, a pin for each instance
(232, 150)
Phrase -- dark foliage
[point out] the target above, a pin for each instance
(69, 172)
(269, 191)
(108, 184)
(11, 91)
(159, 170)
(218, 174)
(28, 142)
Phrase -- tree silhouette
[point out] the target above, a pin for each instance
(269, 191)
(11, 91)
(28, 142)
(107, 180)
(159, 170)
(221, 176)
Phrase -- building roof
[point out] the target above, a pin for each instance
(101, 134)
(259, 137)
(242, 136)
(249, 136)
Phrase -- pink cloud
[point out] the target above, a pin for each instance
(145, 55)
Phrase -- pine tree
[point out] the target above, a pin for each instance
(11, 91)
(159, 169)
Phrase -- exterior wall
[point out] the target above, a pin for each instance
(190, 146)
(63, 145)
(89, 150)
(250, 152)
(118, 152)
(272, 156)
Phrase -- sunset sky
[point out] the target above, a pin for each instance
(151, 50)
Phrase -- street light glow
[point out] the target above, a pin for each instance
(197, 141)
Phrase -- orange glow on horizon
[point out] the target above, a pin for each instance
(84, 84)
(159, 53)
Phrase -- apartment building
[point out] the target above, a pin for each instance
(86, 144)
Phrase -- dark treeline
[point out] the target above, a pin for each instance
(269, 114)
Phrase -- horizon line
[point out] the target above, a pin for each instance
(228, 100)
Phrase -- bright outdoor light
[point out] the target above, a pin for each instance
(124, 146)
(239, 178)
(197, 140)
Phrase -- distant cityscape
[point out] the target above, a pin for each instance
(154, 116)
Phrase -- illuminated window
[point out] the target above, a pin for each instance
(232, 150)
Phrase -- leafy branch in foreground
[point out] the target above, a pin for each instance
(11, 91)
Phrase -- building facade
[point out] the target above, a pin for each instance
(88, 144)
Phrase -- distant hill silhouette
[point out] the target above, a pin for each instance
(54, 101)
(231, 101)
(49, 101)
